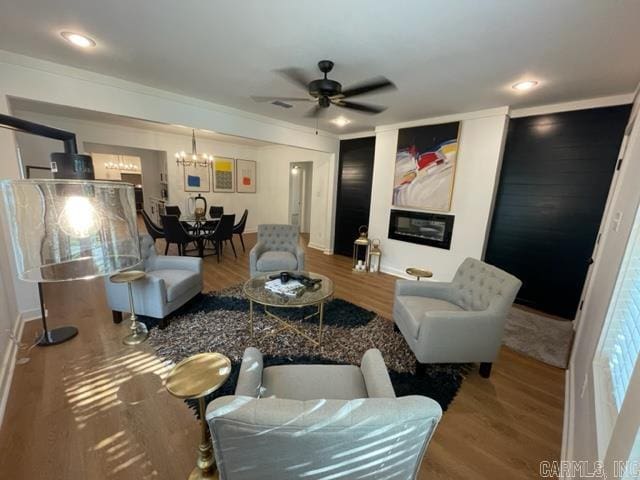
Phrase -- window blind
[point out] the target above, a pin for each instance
(621, 345)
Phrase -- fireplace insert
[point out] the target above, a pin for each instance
(423, 228)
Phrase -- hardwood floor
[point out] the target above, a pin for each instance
(93, 408)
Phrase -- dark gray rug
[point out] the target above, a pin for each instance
(219, 322)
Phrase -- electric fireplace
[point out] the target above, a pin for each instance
(423, 228)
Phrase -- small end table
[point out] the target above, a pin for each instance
(139, 332)
(418, 273)
(193, 379)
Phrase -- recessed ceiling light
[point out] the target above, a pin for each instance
(341, 121)
(525, 85)
(78, 40)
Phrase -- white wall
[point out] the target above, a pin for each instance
(581, 432)
(477, 172)
(268, 205)
(18, 299)
(322, 190)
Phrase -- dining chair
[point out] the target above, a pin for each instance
(216, 211)
(172, 210)
(174, 232)
(155, 231)
(238, 228)
(175, 210)
(222, 233)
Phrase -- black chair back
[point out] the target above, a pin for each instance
(239, 227)
(172, 210)
(216, 212)
(174, 232)
(224, 230)
(154, 230)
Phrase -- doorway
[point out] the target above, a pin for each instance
(300, 181)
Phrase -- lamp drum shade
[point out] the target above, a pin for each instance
(71, 229)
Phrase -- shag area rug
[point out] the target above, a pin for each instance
(219, 322)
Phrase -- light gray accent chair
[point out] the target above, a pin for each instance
(319, 421)
(461, 321)
(170, 283)
(278, 249)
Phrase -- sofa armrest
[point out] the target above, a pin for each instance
(465, 331)
(439, 290)
(257, 250)
(250, 376)
(176, 263)
(376, 376)
(299, 253)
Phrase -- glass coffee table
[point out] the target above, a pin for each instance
(255, 291)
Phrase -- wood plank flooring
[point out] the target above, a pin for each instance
(93, 408)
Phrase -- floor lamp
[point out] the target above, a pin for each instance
(65, 165)
(65, 230)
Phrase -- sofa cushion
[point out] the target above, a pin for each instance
(412, 308)
(177, 282)
(312, 382)
(273, 261)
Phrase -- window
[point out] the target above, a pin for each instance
(619, 347)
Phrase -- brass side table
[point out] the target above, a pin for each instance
(193, 379)
(139, 332)
(418, 273)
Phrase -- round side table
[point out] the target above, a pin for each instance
(139, 332)
(418, 273)
(193, 379)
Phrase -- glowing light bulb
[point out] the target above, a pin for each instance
(79, 218)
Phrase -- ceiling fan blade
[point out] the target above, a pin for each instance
(259, 99)
(361, 107)
(297, 76)
(371, 85)
(314, 112)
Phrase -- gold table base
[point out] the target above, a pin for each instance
(195, 378)
(287, 325)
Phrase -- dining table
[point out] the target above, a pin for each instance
(200, 227)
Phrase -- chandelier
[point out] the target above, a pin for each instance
(194, 158)
(121, 166)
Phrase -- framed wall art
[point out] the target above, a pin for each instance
(196, 178)
(223, 174)
(425, 167)
(246, 176)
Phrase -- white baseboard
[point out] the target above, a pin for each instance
(9, 360)
(251, 230)
(566, 451)
(322, 248)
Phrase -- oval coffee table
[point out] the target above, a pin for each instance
(255, 290)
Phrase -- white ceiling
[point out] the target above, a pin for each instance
(445, 56)
(21, 105)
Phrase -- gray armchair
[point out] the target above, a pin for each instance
(170, 283)
(319, 421)
(456, 322)
(278, 249)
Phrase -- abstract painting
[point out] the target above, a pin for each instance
(223, 174)
(425, 167)
(246, 171)
(196, 179)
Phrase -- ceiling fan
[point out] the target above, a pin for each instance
(326, 92)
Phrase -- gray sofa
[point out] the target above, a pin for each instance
(456, 322)
(319, 421)
(277, 249)
(170, 283)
